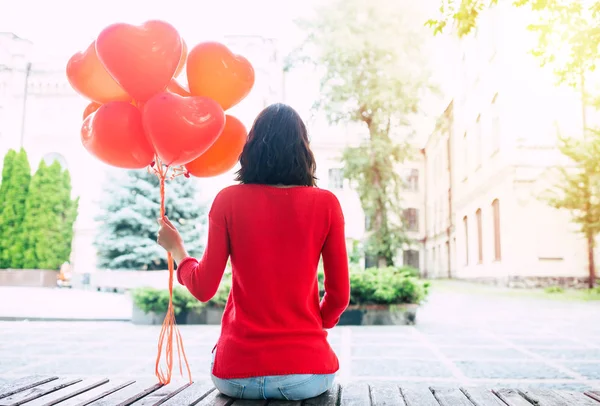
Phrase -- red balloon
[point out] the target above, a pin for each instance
(177, 88)
(214, 71)
(115, 135)
(224, 153)
(92, 107)
(142, 58)
(182, 128)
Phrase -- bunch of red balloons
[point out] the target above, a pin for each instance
(139, 112)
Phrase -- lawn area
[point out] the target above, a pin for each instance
(549, 294)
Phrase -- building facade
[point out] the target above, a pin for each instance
(501, 131)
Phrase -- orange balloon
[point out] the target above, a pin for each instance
(92, 107)
(183, 58)
(141, 58)
(89, 78)
(177, 88)
(214, 71)
(182, 128)
(224, 153)
(115, 135)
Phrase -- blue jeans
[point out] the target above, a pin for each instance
(284, 387)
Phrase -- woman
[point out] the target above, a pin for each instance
(274, 226)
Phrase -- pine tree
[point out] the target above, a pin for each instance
(16, 177)
(127, 234)
(49, 216)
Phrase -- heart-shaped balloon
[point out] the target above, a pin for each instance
(177, 88)
(214, 71)
(182, 59)
(224, 153)
(89, 78)
(142, 58)
(182, 128)
(92, 107)
(115, 135)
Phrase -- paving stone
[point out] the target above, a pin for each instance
(509, 370)
(399, 368)
(396, 351)
(570, 354)
(487, 353)
(590, 370)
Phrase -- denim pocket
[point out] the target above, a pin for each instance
(312, 386)
(229, 388)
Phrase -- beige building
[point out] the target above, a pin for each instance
(500, 132)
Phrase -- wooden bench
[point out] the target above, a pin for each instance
(52, 390)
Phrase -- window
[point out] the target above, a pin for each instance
(367, 222)
(336, 178)
(410, 179)
(411, 219)
(478, 142)
(496, 210)
(495, 124)
(466, 230)
(411, 258)
(479, 237)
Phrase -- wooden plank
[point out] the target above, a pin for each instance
(282, 403)
(576, 398)
(215, 399)
(511, 397)
(163, 394)
(450, 397)
(386, 394)
(543, 397)
(594, 395)
(355, 394)
(245, 402)
(418, 396)
(191, 395)
(37, 391)
(97, 393)
(482, 397)
(329, 398)
(23, 384)
(128, 395)
(68, 392)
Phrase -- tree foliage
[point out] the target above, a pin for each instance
(126, 237)
(16, 176)
(50, 214)
(373, 73)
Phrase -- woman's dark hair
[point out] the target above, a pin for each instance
(277, 151)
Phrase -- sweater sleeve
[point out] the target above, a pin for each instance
(202, 278)
(335, 263)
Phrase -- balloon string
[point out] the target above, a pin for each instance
(169, 326)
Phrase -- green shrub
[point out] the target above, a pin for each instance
(157, 300)
(554, 289)
(220, 298)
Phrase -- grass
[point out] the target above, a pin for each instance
(552, 293)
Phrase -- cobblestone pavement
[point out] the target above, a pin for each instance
(460, 339)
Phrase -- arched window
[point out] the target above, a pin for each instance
(466, 229)
(479, 237)
(50, 157)
(497, 246)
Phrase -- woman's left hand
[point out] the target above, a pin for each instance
(168, 236)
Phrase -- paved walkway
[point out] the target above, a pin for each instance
(460, 339)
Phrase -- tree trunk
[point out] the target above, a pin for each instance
(591, 261)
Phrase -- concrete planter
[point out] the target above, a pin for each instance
(379, 315)
(206, 315)
(34, 278)
(151, 318)
(214, 315)
(196, 316)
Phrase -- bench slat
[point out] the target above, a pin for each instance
(329, 398)
(23, 384)
(191, 395)
(594, 395)
(163, 394)
(97, 393)
(386, 394)
(418, 396)
(216, 399)
(283, 403)
(450, 397)
(543, 397)
(68, 392)
(244, 402)
(355, 394)
(127, 395)
(37, 391)
(511, 397)
(482, 397)
(576, 398)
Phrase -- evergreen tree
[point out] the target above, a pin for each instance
(127, 234)
(16, 176)
(49, 217)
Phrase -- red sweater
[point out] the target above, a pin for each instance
(274, 323)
